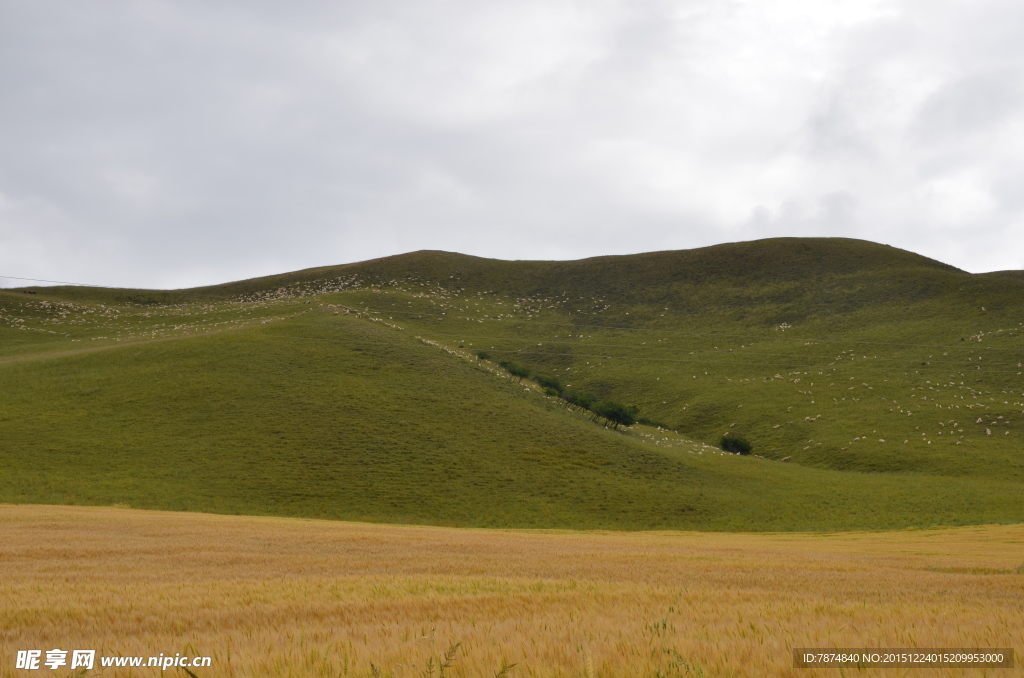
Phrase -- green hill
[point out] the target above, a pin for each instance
(890, 383)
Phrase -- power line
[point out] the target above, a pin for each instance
(58, 282)
(603, 356)
(541, 322)
(667, 348)
(694, 334)
(123, 289)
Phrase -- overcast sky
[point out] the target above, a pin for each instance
(169, 144)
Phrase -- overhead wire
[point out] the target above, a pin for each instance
(620, 328)
(681, 332)
(536, 322)
(186, 292)
(464, 336)
(602, 356)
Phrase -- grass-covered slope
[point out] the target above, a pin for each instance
(890, 381)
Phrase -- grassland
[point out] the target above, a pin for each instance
(890, 383)
(272, 597)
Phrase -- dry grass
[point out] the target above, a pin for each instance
(282, 597)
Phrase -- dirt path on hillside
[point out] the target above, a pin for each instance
(106, 347)
(123, 344)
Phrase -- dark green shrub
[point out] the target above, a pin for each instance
(515, 369)
(616, 413)
(736, 445)
(548, 382)
(483, 355)
(584, 400)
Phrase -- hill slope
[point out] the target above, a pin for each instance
(892, 382)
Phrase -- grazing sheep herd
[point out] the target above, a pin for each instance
(432, 304)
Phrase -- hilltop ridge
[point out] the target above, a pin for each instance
(774, 259)
(769, 259)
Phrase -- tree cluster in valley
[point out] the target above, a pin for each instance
(614, 413)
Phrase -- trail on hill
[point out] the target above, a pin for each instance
(106, 347)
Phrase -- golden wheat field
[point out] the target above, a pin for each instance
(281, 597)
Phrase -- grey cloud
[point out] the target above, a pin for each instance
(974, 104)
(821, 216)
(159, 143)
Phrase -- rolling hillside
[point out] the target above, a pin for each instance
(891, 383)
